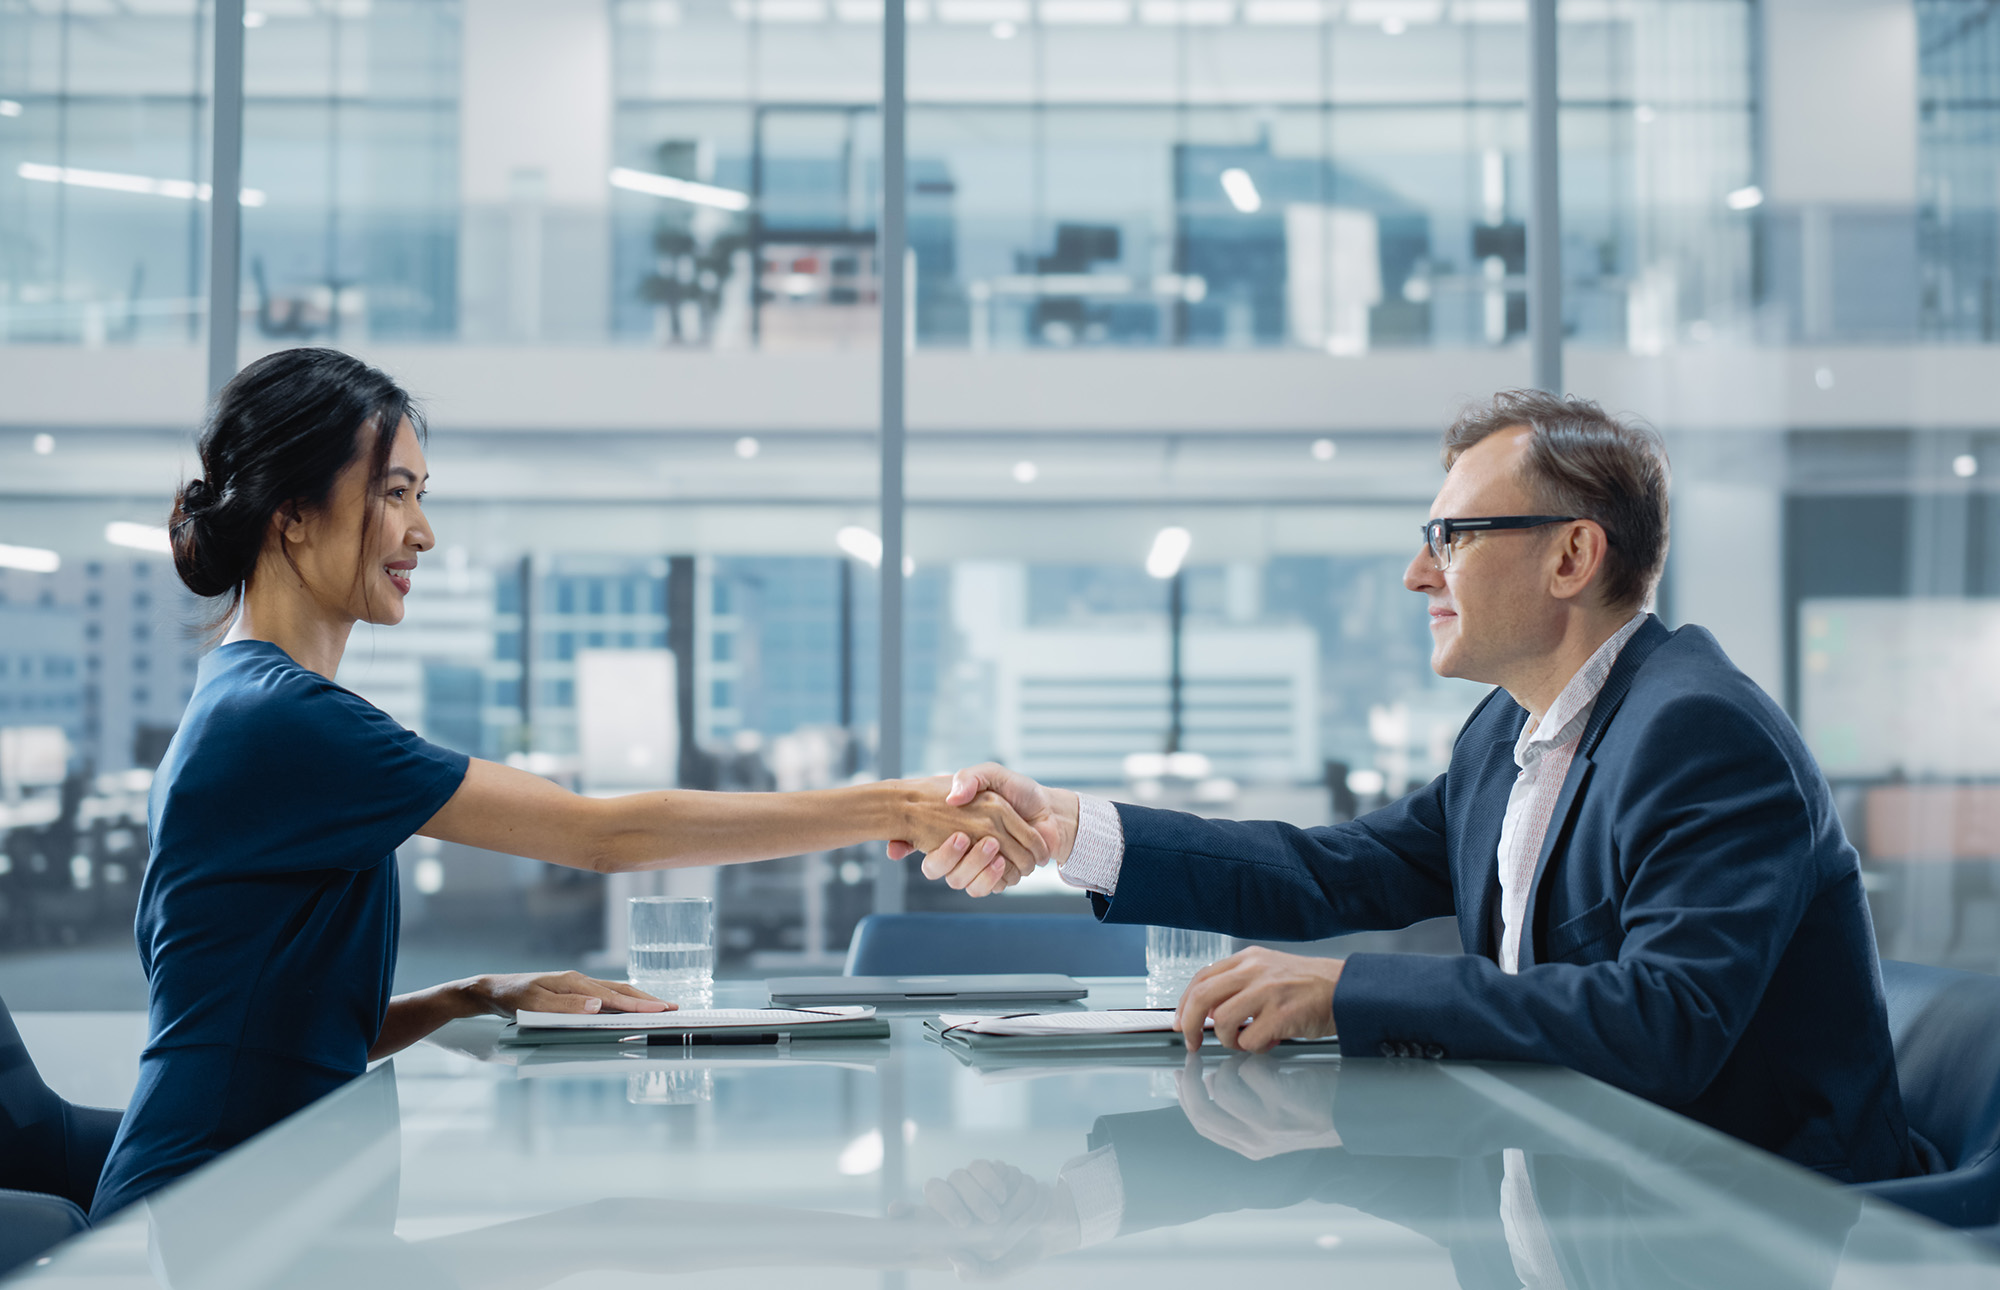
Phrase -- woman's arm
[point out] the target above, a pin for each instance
(503, 809)
(414, 1015)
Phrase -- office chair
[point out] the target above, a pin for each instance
(1945, 1025)
(1073, 944)
(50, 1156)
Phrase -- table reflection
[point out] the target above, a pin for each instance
(1457, 1155)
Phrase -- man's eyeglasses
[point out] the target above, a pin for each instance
(1440, 535)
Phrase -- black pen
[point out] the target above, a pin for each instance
(697, 1039)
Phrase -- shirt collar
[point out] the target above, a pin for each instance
(1565, 718)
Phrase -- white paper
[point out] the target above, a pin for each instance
(689, 1018)
(1117, 1022)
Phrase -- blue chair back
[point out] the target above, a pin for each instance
(1945, 1025)
(989, 944)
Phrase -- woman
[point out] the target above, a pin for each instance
(267, 920)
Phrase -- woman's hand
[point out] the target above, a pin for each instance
(505, 995)
(984, 827)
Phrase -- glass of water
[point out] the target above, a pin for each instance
(670, 950)
(1173, 956)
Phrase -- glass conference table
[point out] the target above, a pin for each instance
(891, 1163)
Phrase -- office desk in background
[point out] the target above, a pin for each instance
(814, 1165)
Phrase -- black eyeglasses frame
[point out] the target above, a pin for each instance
(1438, 533)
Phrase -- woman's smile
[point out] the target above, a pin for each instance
(399, 574)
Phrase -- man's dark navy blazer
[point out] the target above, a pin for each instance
(1697, 931)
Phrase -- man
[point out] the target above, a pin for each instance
(1650, 882)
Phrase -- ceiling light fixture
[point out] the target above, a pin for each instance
(680, 190)
(1241, 190)
(1170, 548)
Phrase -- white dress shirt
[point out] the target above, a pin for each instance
(1543, 752)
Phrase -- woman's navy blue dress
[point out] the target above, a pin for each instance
(268, 915)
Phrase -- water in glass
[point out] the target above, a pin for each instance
(671, 951)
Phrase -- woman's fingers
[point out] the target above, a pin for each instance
(630, 998)
(542, 998)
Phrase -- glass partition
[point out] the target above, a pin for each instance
(1221, 266)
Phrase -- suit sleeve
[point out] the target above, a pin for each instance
(1277, 881)
(1716, 856)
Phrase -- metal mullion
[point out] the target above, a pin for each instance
(893, 243)
(1545, 197)
(225, 207)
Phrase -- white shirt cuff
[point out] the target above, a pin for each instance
(1099, 850)
(1098, 1191)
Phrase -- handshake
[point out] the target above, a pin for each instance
(988, 828)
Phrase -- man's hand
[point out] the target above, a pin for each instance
(1258, 997)
(1261, 1107)
(1051, 812)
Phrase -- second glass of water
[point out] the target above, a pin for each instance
(670, 950)
(1173, 956)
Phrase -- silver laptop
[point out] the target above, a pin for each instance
(952, 988)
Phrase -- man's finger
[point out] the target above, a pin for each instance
(946, 856)
(897, 850)
(991, 879)
(972, 861)
(966, 785)
(1229, 1016)
(1204, 974)
(1200, 998)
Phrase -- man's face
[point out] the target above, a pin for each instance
(1492, 608)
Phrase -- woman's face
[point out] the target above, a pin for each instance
(389, 521)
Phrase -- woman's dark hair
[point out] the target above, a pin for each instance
(277, 437)
(1583, 461)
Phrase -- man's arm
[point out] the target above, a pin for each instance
(1716, 854)
(1388, 869)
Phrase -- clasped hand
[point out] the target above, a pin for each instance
(1050, 813)
(958, 822)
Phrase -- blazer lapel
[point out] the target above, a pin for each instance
(1478, 880)
(1616, 685)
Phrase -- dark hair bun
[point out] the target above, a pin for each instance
(208, 565)
(196, 498)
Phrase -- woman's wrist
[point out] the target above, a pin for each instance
(891, 809)
(454, 1000)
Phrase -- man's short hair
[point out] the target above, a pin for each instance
(1583, 461)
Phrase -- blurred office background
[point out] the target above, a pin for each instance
(1224, 266)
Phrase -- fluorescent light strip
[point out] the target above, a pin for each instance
(30, 559)
(139, 537)
(1190, 13)
(112, 181)
(1284, 13)
(680, 190)
(1086, 13)
(983, 12)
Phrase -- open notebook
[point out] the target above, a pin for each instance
(1122, 1030)
(741, 1025)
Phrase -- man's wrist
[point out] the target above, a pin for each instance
(1068, 807)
